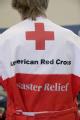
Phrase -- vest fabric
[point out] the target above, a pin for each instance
(40, 70)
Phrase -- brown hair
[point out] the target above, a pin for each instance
(30, 8)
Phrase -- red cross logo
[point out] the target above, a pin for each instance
(40, 36)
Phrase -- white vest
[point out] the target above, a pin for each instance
(44, 59)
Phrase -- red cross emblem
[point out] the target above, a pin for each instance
(40, 35)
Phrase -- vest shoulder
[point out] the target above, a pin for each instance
(11, 32)
(65, 33)
(28, 24)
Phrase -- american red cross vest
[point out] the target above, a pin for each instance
(40, 70)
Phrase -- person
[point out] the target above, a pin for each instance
(39, 66)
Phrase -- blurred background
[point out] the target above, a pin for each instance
(63, 12)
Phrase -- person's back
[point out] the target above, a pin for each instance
(40, 70)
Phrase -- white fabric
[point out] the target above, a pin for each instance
(14, 46)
